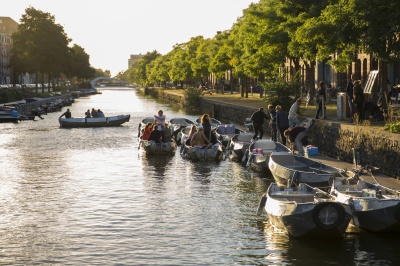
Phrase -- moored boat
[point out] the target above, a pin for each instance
(260, 151)
(239, 145)
(289, 169)
(377, 208)
(304, 211)
(177, 124)
(94, 121)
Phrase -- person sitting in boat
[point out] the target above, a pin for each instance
(67, 114)
(167, 133)
(147, 131)
(199, 138)
(101, 114)
(192, 131)
(295, 135)
(36, 113)
(94, 113)
(155, 135)
(87, 114)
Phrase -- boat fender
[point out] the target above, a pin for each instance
(397, 212)
(261, 205)
(320, 208)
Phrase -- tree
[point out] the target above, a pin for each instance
(40, 45)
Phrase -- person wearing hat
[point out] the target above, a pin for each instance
(293, 115)
(199, 138)
(321, 100)
(358, 99)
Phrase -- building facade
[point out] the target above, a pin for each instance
(7, 27)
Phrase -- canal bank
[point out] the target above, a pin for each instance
(334, 139)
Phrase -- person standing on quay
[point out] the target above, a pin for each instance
(358, 94)
(321, 100)
(349, 92)
(293, 120)
(258, 120)
(282, 122)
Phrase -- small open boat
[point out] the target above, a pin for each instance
(153, 148)
(225, 132)
(260, 151)
(304, 211)
(177, 124)
(289, 169)
(110, 121)
(377, 208)
(239, 145)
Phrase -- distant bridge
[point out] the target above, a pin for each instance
(106, 81)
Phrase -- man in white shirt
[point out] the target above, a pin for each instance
(159, 120)
(293, 120)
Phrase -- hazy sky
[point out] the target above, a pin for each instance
(110, 31)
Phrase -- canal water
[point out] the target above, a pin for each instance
(89, 197)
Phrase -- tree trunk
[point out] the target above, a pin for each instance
(382, 65)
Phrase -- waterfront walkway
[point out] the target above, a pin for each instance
(254, 102)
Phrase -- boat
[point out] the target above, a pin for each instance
(260, 151)
(289, 169)
(9, 114)
(225, 132)
(305, 212)
(212, 152)
(94, 121)
(177, 124)
(377, 208)
(153, 148)
(239, 145)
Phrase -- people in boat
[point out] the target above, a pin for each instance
(199, 139)
(87, 114)
(36, 113)
(205, 122)
(155, 135)
(167, 132)
(192, 131)
(94, 113)
(67, 114)
(295, 135)
(159, 120)
(101, 114)
(147, 131)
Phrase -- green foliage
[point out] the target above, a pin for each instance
(281, 93)
(394, 128)
(16, 94)
(192, 99)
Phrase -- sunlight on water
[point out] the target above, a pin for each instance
(88, 196)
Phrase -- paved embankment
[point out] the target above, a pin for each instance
(334, 138)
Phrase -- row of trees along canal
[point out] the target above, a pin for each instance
(41, 47)
(272, 31)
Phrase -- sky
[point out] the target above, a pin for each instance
(110, 31)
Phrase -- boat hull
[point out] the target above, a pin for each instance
(377, 209)
(111, 121)
(197, 153)
(306, 212)
(152, 148)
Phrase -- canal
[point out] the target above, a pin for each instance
(89, 197)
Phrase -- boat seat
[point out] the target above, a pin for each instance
(245, 137)
(265, 145)
(180, 121)
(300, 198)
